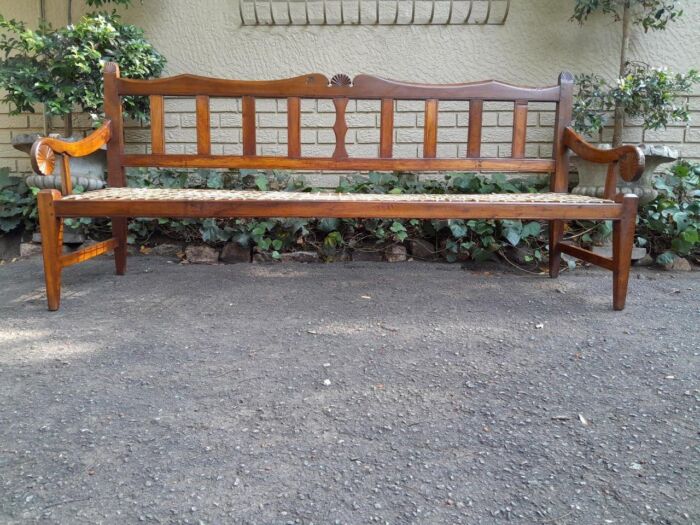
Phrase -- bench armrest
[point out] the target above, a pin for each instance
(45, 149)
(629, 158)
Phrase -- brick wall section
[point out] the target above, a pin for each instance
(318, 139)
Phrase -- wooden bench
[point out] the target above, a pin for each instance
(119, 202)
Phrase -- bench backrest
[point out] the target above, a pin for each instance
(340, 89)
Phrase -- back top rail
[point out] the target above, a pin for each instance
(316, 85)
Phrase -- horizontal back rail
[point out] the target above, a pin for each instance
(339, 164)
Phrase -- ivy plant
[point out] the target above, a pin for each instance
(17, 204)
(670, 225)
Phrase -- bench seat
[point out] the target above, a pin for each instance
(161, 202)
(170, 194)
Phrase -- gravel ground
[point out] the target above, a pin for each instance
(347, 393)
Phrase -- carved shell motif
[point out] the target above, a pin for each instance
(44, 160)
(341, 80)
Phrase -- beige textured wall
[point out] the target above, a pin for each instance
(535, 44)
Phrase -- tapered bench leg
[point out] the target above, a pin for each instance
(119, 231)
(556, 232)
(623, 241)
(51, 245)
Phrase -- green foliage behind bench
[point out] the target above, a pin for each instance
(668, 226)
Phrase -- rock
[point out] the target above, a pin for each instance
(69, 237)
(86, 244)
(29, 249)
(261, 257)
(423, 250)
(367, 255)
(519, 255)
(166, 250)
(681, 265)
(234, 252)
(395, 253)
(201, 254)
(606, 251)
(9, 245)
(300, 257)
(462, 256)
(647, 260)
(338, 254)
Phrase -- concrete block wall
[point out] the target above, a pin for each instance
(363, 117)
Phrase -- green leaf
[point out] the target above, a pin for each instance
(512, 236)
(397, 227)
(457, 228)
(531, 229)
(215, 181)
(7, 225)
(333, 240)
(262, 182)
(328, 225)
(690, 236)
(665, 258)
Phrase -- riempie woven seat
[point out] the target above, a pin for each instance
(168, 194)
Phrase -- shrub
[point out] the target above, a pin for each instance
(640, 91)
(62, 68)
(670, 225)
(456, 239)
(17, 204)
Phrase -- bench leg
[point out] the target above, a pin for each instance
(51, 245)
(119, 230)
(556, 232)
(623, 241)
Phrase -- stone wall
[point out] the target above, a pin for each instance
(532, 48)
(318, 139)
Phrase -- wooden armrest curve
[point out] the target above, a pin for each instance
(45, 149)
(630, 158)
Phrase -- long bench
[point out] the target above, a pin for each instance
(119, 202)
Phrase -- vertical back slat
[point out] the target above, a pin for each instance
(430, 129)
(386, 137)
(157, 124)
(294, 127)
(116, 177)
(203, 126)
(340, 128)
(476, 114)
(519, 129)
(248, 125)
(560, 181)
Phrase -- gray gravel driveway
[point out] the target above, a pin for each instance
(347, 393)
